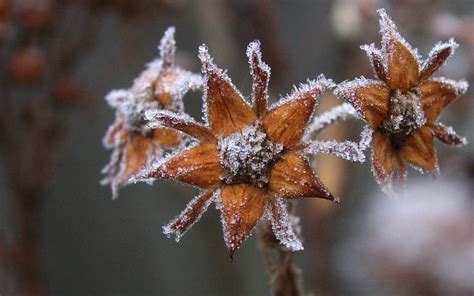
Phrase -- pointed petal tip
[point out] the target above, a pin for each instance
(253, 48)
(336, 199)
(204, 56)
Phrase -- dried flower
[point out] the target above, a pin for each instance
(248, 159)
(161, 86)
(403, 104)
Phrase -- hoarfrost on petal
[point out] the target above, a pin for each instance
(310, 88)
(346, 90)
(438, 56)
(282, 225)
(209, 68)
(376, 60)
(347, 150)
(341, 112)
(167, 47)
(117, 97)
(460, 87)
(260, 72)
(190, 215)
(389, 31)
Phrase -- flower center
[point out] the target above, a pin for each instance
(405, 116)
(246, 156)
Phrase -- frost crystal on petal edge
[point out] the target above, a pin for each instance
(282, 225)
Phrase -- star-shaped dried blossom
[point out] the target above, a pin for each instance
(248, 159)
(161, 86)
(403, 104)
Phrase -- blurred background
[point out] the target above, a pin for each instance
(60, 231)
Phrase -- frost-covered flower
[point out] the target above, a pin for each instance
(403, 104)
(248, 159)
(161, 86)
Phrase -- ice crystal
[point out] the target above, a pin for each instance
(246, 156)
(389, 32)
(347, 150)
(190, 215)
(441, 51)
(376, 60)
(211, 71)
(341, 112)
(283, 225)
(405, 115)
(348, 89)
(311, 88)
(460, 87)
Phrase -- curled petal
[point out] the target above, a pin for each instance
(168, 48)
(189, 216)
(286, 123)
(181, 122)
(447, 135)
(376, 60)
(261, 76)
(127, 159)
(369, 97)
(384, 160)
(437, 93)
(115, 132)
(242, 206)
(198, 166)
(293, 177)
(437, 58)
(282, 226)
(419, 150)
(227, 111)
(401, 59)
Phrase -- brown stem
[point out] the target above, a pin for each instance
(285, 276)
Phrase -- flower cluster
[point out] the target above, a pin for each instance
(402, 105)
(161, 86)
(250, 159)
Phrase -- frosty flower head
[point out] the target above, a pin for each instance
(161, 86)
(248, 159)
(403, 103)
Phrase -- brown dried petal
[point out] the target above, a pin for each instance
(190, 215)
(369, 97)
(261, 76)
(286, 123)
(168, 48)
(402, 65)
(419, 150)
(293, 177)
(436, 94)
(227, 111)
(384, 159)
(376, 60)
(197, 166)
(184, 124)
(115, 132)
(447, 135)
(242, 207)
(166, 137)
(438, 56)
(162, 94)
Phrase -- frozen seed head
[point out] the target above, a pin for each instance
(246, 156)
(405, 116)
